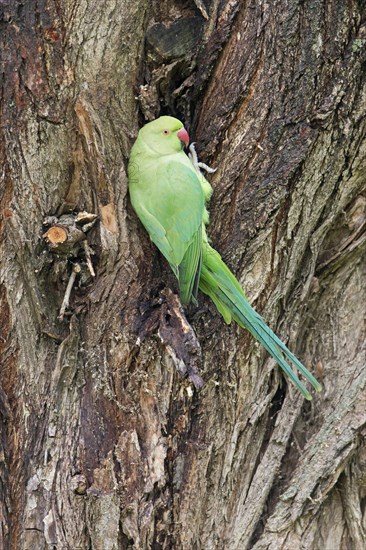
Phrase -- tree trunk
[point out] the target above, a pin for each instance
(104, 445)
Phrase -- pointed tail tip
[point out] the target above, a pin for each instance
(305, 393)
(316, 385)
(318, 388)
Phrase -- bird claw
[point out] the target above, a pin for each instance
(198, 165)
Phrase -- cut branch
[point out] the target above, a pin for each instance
(56, 235)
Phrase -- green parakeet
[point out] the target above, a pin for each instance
(169, 196)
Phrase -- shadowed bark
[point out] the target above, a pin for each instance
(103, 443)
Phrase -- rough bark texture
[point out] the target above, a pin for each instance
(103, 444)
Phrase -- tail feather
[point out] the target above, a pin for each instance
(220, 284)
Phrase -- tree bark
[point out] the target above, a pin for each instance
(104, 445)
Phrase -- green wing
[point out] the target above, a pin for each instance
(169, 200)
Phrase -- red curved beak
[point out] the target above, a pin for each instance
(183, 136)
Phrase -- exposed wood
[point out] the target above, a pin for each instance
(55, 235)
(102, 443)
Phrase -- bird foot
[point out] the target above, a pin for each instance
(198, 165)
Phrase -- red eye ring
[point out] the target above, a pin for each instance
(166, 132)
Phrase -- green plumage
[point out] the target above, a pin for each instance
(169, 197)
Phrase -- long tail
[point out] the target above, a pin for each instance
(219, 283)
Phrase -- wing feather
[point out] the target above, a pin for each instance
(169, 201)
(189, 269)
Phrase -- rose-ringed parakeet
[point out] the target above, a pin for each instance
(169, 196)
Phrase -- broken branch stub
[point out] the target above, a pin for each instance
(66, 239)
(67, 232)
(63, 236)
(65, 302)
(56, 235)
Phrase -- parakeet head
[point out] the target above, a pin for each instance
(165, 135)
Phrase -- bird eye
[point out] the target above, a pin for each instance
(166, 132)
